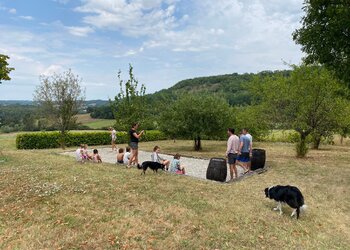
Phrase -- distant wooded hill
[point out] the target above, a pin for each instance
(90, 103)
(231, 86)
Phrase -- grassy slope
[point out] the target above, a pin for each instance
(48, 201)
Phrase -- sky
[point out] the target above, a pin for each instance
(165, 41)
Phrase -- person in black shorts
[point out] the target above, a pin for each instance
(134, 144)
(232, 151)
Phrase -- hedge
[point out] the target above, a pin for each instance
(42, 140)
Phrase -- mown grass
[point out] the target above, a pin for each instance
(93, 123)
(100, 124)
(49, 201)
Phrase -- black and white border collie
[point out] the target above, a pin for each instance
(286, 194)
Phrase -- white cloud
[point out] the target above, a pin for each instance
(50, 70)
(134, 18)
(29, 18)
(12, 11)
(9, 10)
(80, 31)
(165, 40)
(130, 52)
(207, 25)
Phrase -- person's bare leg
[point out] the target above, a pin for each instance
(242, 165)
(231, 171)
(235, 170)
(246, 168)
(136, 156)
(132, 157)
(182, 168)
(167, 164)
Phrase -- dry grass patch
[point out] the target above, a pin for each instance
(49, 201)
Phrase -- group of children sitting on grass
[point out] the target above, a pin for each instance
(123, 158)
(82, 155)
(174, 167)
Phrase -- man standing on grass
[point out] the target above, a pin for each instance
(232, 150)
(251, 144)
(248, 135)
(245, 150)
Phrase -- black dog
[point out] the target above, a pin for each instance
(152, 165)
(287, 194)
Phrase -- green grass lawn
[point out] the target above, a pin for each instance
(100, 123)
(93, 123)
(47, 201)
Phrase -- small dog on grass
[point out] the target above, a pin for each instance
(152, 165)
(286, 194)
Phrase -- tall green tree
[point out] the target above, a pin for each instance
(129, 104)
(325, 35)
(4, 69)
(308, 101)
(253, 118)
(197, 116)
(60, 97)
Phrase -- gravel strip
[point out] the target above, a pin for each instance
(194, 167)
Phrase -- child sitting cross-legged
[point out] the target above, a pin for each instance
(126, 157)
(120, 156)
(176, 167)
(96, 157)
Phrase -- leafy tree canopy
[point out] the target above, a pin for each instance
(60, 96)
(197, 116)
(129, 104)
(4, 69)
(308, 101)
(325, 35)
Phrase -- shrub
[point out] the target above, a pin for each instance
(301, 148)
(289, 136)
(153, 135)
(7, 129)
(43, 140)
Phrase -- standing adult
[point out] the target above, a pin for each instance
(232, 151)
(248, 135)
(251, 142)
(134, 144)
(113, 137)
(244, 151)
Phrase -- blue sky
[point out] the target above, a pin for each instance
(165, 40)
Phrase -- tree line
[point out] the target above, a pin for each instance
(311, 98)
